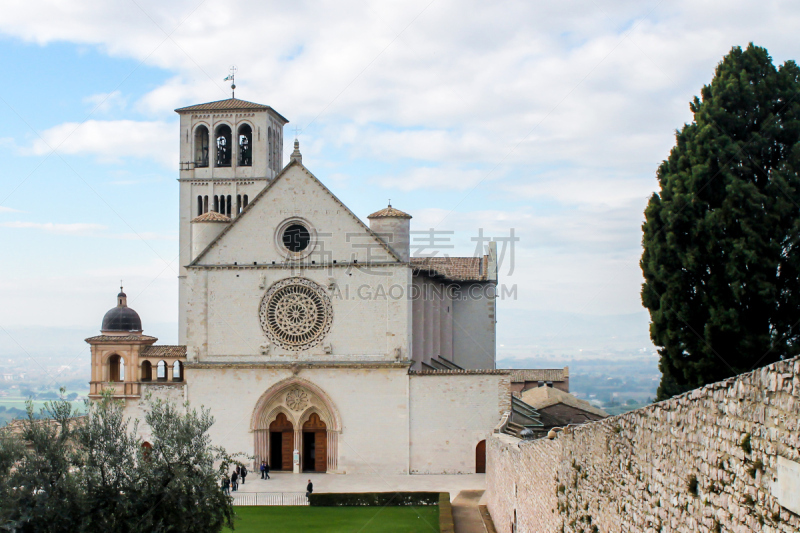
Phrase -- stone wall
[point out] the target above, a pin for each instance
(706, 461)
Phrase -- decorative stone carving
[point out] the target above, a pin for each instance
(296, 399)
(296, 313)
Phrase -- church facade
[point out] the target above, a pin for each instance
(317, 341)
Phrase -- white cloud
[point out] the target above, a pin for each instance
(436, 178)
(105, 102)
(61, 229)
(111, 140)
(4, 209)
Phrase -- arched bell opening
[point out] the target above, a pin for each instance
(116, 368)
(223, 145)
(315, 439)
(201, 146)
(245, 145)
(147, 371)
(281, 443)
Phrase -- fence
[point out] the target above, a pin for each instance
(269, 498)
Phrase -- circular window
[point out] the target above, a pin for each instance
(296, 238)
(296, 314)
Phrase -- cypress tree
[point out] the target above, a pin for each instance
(721, 254)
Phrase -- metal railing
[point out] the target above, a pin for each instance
(269, 498)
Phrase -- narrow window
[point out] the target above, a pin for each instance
(177, 371)
(199, 205)
(205, 204)
(238, 203)
(223, 145)
(147, 371)
(269, 147)
(245, 145)
(228, 205)
(221, 204)
(201, 146)
(116, 368)
(216, 203)
(245, 201)
(161, 371)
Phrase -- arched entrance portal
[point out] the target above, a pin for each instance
(480, 457)
(295, 414)
(281, 437)
(314, 444)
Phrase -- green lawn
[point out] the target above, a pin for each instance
(337, 519)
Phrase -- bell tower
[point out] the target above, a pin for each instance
(229, 151)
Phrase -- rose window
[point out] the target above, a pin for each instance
(296, 314)
(296, 399)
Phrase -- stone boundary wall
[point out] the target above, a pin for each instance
(705, 461)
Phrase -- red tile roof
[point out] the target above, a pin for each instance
(164, 350)
(212, 216)
(452, 268)
(100, 339)
(231, 104)
(519, 375)
(388, 212)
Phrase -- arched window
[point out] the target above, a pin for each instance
(238, 203)
(221, 204)
(147, 371)
(244, 202)
(269, 147)
(245, 145)
(205, 204)
(199, 205)
(216, 203)
(201, 146)
(223, 144)
(228, 205)
(177, 371)
(116, 368)
(161, 371)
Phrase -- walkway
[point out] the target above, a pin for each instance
(466, 513)
(287, 482)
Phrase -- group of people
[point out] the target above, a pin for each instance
(232, 483)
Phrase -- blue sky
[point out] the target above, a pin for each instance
(549, 119)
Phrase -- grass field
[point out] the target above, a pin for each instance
(337, 519)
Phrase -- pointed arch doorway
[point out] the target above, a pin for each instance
(281, 440)
(314, 444)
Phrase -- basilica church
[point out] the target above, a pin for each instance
(316, 340)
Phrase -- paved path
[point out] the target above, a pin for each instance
(287, 482)
(466, 514)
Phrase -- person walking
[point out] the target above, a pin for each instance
(263, 470)
(235, 481)
(309, 489)
(243, 473)
(226, 486)
(266, 470)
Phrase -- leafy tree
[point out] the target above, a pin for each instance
(90, 474)
(721, 259)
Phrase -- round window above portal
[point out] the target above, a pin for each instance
(295, 238)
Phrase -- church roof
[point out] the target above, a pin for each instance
(212, 216)
(542, 397)
(453, 268)
(388, 212)
(164, 350)
(230, 104)
(519, 375)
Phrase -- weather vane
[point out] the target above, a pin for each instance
(232, 78)
(295, 132)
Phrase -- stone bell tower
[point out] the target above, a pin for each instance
(229, 151)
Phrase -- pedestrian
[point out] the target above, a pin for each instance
(309, 489)
(266, 470)
(235, 481)
(263, 469)
(243, 473)
(226, 486)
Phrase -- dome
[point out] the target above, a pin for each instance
(121, 317)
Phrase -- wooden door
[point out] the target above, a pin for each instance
(315, 424)
(480, 457)
(320, 451)
(287, 449)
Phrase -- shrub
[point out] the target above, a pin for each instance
(378, 499)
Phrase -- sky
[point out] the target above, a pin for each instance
(547, 119)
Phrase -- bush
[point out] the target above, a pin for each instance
(378, 499)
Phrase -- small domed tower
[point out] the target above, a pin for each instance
(392, 225)
(205, 229)
(124, 359)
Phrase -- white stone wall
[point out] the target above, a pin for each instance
(372, 403)
(136, 409)
(450, 414)
(708, 461)
(474, 330)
